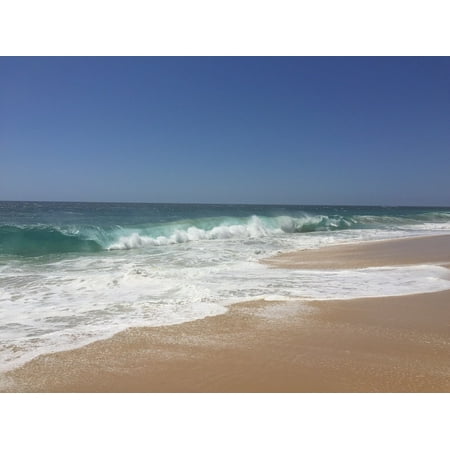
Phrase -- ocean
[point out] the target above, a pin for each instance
(73, 273)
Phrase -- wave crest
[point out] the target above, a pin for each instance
(38, 240)
(253, 229)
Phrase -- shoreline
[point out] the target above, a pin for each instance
(381, 344)
(358, 255)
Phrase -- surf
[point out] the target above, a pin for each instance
(46, 239)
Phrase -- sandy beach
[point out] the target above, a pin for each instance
(394, 252)
(390, 344)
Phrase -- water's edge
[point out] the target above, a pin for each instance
(223, 309)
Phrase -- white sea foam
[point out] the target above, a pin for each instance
(64, 304)
(253, 229)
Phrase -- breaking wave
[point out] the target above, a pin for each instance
(45, 239)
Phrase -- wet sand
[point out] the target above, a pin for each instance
(390, 344)
(395, 252)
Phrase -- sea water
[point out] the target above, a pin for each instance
(73, 273)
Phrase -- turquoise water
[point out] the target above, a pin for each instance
(41, 228)
(72, 273)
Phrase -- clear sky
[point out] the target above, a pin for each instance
(300, 130)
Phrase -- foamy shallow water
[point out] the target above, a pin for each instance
(51, 302)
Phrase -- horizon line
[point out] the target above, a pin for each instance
(225, 203)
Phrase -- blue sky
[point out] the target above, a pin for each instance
(297, 130)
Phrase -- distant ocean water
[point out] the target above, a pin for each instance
(72, 273)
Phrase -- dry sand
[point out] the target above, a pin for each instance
(391, 344)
